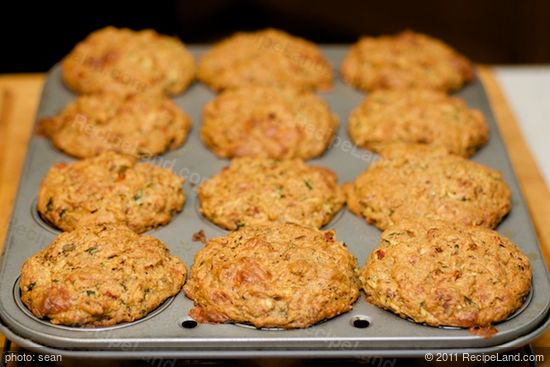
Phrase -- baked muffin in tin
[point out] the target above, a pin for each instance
(404, 61)
(273, 276)
(260, 190)
(100, 275)
(123, 61)
(447, 274)
(424, 184)
(426, 117)
(142, 125)
(268, 57)
(268, 122)
(110, 188)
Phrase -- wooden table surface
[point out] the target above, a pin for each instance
(19, 96)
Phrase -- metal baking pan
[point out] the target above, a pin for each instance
(162, 333)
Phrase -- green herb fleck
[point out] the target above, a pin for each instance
(68, 247)
(49, 205)
(91, 250)
(138, 195)
(308, 184)
(121, 169)
(90, 293)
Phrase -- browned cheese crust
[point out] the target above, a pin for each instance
(99, 276)
(268, 122)
(258, 190)
(427, 117)
(142, 125)
(446, 274)
(403, 61)
(123, 61)
(110, 188)
(269, 57)
(435, 186)
(273, 275)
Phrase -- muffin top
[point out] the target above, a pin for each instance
(141, 125)
(273, 275)
(427, 117)
(268, 57)
(434, 186)
(99, 275)
(403, 61)
(124, 61)
(268, 122)
(446, 274)
(260, 190)
(110, 188)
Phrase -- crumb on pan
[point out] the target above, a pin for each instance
(199, 236)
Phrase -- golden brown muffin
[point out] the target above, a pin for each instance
(446, 274)
(268, 57)
(142, 125)
(100, 276)
(127, 62)
(403, 61)
(273, 275)
(434, 186)
(258, 190)
(427, 117)
(110, 188)
(268, 122)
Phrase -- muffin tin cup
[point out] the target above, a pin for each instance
(169, 331)
(26, 311)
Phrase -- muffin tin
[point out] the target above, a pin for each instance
(169, 332)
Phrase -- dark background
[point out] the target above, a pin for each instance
(34, 36)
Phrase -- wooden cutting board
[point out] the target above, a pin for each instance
(19, 96)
